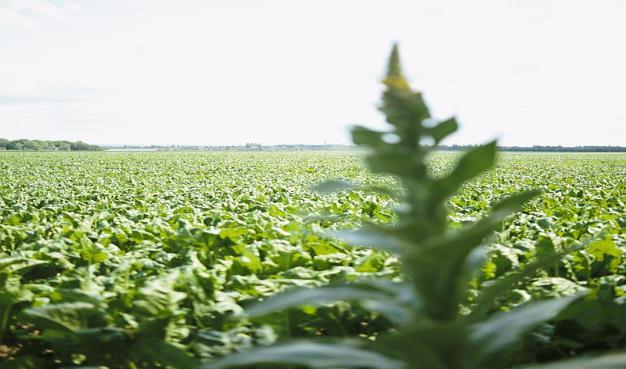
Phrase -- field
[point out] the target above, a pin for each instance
(137, 254)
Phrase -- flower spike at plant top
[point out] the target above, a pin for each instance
(395, 77)
(438, 262)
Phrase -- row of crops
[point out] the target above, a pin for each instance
(137, 260)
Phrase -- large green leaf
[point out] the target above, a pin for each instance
(309, 354)
(313, 296)
(502, 330)
(67, 317)
(473, 162)
(369, 236)
(391, 301)
(490, 294)
(513, 203)
(610, 361)
(443, 129)
(365, 136)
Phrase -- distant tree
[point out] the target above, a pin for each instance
(253, 146)
(63, 146)
(537, 148)
(42, 145)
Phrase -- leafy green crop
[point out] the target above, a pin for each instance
(136, 260)
(439, 262)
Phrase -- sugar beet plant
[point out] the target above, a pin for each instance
(439, 261)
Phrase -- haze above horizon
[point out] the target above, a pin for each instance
(192, 72)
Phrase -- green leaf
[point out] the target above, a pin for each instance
(95, 342)
(371, 237)
(18, 264)
(309, 354)
(489, 295)
(152, 328)
(67, 317)
(10, 295)
(394, 162)
(313, 296)
(384, 299)
(504, 329)
(474, 162)
(610, 361)
(513, 203)
(366, 136)
(333, 186)
(159, 351)
(398, 314)
(443, 129)
(606, 252)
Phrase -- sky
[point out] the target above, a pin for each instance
(208, 72)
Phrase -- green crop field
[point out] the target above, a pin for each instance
(118, 257)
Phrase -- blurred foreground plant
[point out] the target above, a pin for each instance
(438, 262)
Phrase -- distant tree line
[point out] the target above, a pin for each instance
(543, 148)
(260, 147)
(246, 147)
(40, 145)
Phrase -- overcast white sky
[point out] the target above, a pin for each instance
(544, 72)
